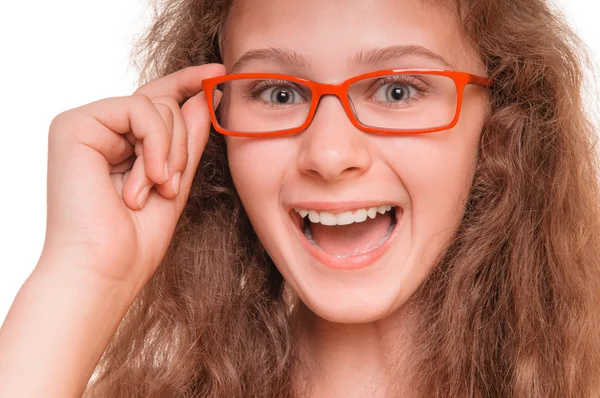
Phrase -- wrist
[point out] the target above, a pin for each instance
(78, 270)
(57, 329)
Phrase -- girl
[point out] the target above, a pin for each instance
(398, 198)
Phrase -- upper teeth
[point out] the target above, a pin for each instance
(345, 218)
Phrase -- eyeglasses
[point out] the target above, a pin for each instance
(397, 101)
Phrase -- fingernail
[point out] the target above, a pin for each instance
(166, 170)
(175, 182)
(143, 195)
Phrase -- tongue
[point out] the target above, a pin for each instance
(351, 239)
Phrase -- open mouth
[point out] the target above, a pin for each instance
(349, 233)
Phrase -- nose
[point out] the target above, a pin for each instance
(333, 149)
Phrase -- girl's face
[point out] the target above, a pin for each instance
(366, 270)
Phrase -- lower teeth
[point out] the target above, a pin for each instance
(309, 237)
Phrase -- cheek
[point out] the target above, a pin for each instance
(437, 172)
(439, 186)
(258, 168)
(438, 169)
(257, 164)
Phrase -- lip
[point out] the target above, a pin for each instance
(336, 208)
(351, 262)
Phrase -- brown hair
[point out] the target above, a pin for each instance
(511, 309)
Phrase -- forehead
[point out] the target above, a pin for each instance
(329, 36)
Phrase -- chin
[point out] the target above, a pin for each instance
(365, 297)
(351, 311)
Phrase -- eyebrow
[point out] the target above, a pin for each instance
(364, 57)
(278, 55)
(374, 55)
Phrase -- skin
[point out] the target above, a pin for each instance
(106, 232)
(111, 215)
(350, 321)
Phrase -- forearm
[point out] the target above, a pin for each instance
(56, 331)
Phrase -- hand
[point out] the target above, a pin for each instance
(119, 174)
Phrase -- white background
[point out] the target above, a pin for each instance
(59, 54)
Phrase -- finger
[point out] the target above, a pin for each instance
(123, 166)
(131, 138)
(119, 180)
(136, 187)
(138, 115)
(113, 147)
(167, 115)
(136, 190)
(169, 119)
(197, 120)
(178, 154)
(217, 96)
(182, 84)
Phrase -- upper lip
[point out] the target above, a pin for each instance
(340, 207)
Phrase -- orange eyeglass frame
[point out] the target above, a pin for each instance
(340, 90)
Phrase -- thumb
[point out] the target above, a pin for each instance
(197, 121)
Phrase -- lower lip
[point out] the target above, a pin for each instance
(351, 262)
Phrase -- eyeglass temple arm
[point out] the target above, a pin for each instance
(481, 81)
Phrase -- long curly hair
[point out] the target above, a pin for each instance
(512, 306)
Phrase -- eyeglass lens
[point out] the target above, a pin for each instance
(392, 102)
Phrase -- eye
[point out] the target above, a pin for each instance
(394, 92)
(281, 95)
